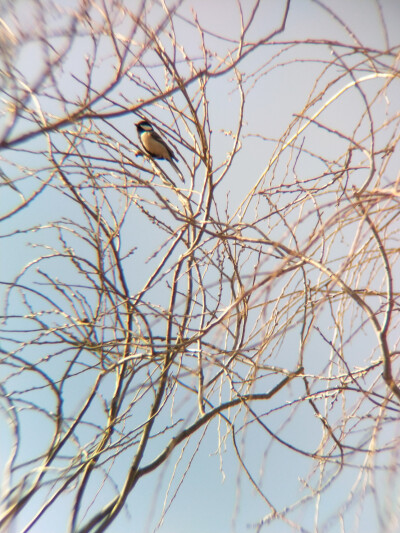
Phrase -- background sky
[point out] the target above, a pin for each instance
(278, 79)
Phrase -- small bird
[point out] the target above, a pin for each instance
(155, 146)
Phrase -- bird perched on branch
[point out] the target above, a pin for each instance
(155, 146)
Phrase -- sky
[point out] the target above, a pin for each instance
(207, 489)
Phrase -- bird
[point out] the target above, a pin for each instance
(155, 146)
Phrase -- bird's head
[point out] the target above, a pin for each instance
(143, 125)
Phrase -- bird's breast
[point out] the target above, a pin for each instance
(154, 147)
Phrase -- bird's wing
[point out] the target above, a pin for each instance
(161, 140)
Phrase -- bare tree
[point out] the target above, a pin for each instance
(255, 306)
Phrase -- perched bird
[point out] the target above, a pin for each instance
(155, 146)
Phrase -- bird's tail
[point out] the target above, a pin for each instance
(177, 170)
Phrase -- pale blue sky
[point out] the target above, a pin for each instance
(215, 496)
